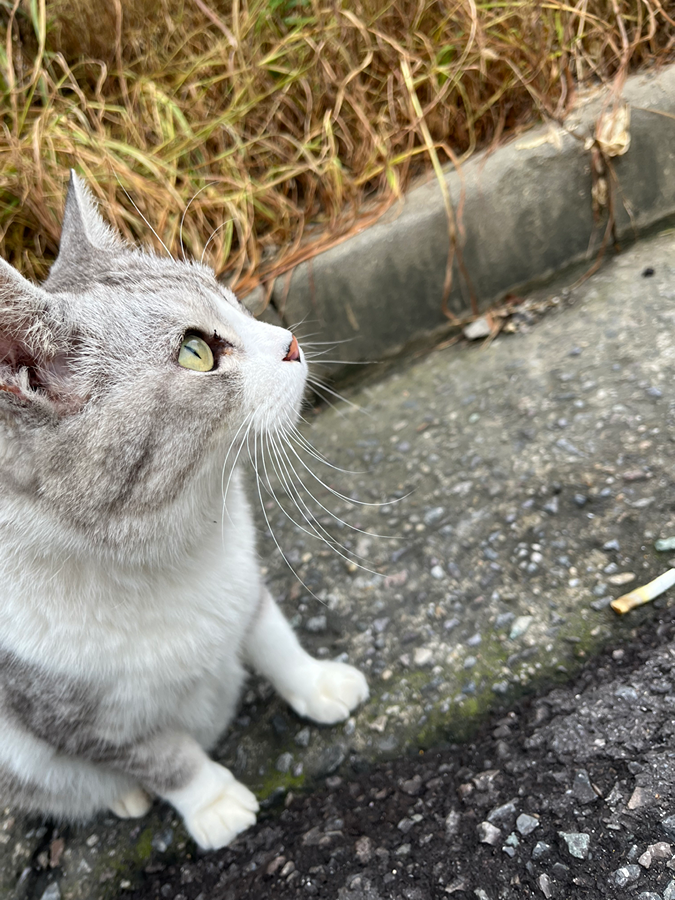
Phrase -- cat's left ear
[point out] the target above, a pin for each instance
(34, 346)
(85, 239)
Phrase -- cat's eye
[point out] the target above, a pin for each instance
(195, 354)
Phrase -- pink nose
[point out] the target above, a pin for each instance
(293, 354)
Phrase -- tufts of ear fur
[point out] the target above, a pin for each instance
(32, 344)
(86, 241)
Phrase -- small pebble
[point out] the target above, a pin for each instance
(660, 850)
(452, 821)
(364, 849)
(316, 624)
(582, 789)
(284, 763)
(665, 544)
(545, 886)
(622, 578)
(578, 843)
(526, 824)
(489, 834)
(667, 824)
(433, 515)
(540, 850)
(423, 656)
(479, 328)
(552, 506)
(51, 892)
(645, 860)
(162, 841)
(627, 875)
(520, 626)
(302, 737)
(502, 815)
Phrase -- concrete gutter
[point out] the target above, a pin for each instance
(527, 215)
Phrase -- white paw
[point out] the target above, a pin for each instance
(329, 692)
(220, 809)
(132, 805)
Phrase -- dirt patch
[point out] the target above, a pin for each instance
(568, 792)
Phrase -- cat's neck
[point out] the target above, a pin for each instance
(150, 540)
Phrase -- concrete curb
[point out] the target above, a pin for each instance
(527, 215)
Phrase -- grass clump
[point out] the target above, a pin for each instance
(277, 122)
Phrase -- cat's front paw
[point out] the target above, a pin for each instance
(329, 692)
(217, 808)
(132, 805)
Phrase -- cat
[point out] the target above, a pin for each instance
(132, 603)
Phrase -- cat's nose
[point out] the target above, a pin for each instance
(293, 354)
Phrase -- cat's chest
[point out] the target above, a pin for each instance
(153, 624)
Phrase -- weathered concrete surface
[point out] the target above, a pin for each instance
(532, 479)
(527, 213)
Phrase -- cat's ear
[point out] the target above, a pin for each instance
(85, 238)
(33, 345)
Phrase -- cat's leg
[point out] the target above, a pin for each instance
(214, 805)
(74, 773)
(320, 690)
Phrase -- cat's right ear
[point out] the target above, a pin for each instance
(33, 344)
(85, 238)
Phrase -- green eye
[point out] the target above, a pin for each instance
(195, 354)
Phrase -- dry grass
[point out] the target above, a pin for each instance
(277, 120)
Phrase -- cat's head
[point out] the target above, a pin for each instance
(127, 376)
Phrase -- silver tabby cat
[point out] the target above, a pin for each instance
(131, 606)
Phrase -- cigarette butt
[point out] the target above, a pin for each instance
(645, 593)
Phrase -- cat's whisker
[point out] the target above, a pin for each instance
(330, 403)
(133, 203)
(297, 436)
(182, 218)
(331, 542)
(342, 362)
(314, 532)
(333, 491)
(211, 237)
(317, 383)
(294, 326)
(325, 508)
(225, 489)
(264, 512)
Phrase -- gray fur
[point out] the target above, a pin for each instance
(130, 596)
(110, 322)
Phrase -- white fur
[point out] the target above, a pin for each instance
(215, 806)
